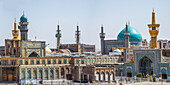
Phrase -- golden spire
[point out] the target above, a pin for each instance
(153, 17)
(153, 30)
(15, 32)
(15, 25)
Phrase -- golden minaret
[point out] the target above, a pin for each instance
(153, 30)
(15, 32)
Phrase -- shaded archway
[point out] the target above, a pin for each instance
(102, 76)
(33, 54)
(46, 74)
(35, 74)
(112, 76)
(28, 74)
(23, 75)
(145, 66)
(62, 73)
(56, 74)
(107, 77)
(51, 74)
(40, 74)
(97, 76)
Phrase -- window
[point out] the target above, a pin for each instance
(59, 61)
(13, 62)
(20, 62)
(54, 61)
(26, 62)
(32, 62)
(82, 61)
(51, 74)
(69, 61)
(5, 62)
(65, 61)
(43, 61)
(38, 61)
(49, 61)
(77, 61)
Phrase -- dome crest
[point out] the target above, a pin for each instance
(135, 36)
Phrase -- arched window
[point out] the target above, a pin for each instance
(56, 74)
(111, 76)
(23, 75)
(46, 74)
(40, 74)
(102, 76)
(28, 74)
(51, 74)
(62, 73)
(35, 74)
(107, 76)
(97, 76)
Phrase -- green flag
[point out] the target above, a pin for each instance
(19, 27)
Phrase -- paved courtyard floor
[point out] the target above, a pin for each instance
(142, 83)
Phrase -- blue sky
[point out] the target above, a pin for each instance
(44, 15)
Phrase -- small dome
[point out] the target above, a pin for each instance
(135, 36)
(23, 18)
(116, 50)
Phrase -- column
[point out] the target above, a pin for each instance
(25, 73)
(65, 73)
(54, 73)
(0, 74)
(17, 73)
(32, 72)
(37, 73)
(43, 73)
(48, 73)
(59, 73)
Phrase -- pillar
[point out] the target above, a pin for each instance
(32, 72)
(48, 73)
(17, 73)
(65, 73)
(1, 74)
(59, 73)
(37, 73)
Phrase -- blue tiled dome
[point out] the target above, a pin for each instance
(23, 18)
(116, 50)
(135, 36)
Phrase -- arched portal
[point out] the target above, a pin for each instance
(145, 66)
(111, 76)
(51, 74)
(46, 74)
(102, 76)
(56, 74)
(97, 76)
(35, 74)
(40, 74)
(62, 73)
(107, 76)
(23, 75)
(28, 74)
(33, 54)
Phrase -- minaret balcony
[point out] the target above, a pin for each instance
(154, 33)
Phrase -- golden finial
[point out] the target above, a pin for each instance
(153, 9)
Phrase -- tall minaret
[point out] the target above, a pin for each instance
(153, 30)
(15, 32)
(77, 35)
(127, 34)
(78, 39)
(58, 36)
(23, 28)
(102, 36)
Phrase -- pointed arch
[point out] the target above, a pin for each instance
(33, 54)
